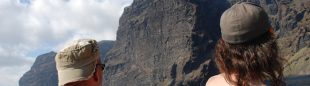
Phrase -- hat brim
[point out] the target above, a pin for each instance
(76, 74)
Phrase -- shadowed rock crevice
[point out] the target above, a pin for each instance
(206, 32)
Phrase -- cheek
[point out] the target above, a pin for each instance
(99, 77)
(99, 74)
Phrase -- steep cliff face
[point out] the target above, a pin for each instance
(171, 42)
(43, 72)
(294, 20)
(165, 42)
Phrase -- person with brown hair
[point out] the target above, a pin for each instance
(247, 53)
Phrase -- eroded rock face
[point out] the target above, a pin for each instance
(43, 72)
(171, 42)
(165, 42)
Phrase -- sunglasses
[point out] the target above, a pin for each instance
(101, 66)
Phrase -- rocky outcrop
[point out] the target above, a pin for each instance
(294, 36)
(43, 72)
(298, 64)
(171, 42)
(165, 42)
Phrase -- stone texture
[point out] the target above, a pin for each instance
(42, 73)
(165, 42)
(171, 42)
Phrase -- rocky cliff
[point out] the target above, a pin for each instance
(293, 22)
(43, 72)
(171, 42)
(165, 42)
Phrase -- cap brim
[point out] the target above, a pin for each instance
(75, 74)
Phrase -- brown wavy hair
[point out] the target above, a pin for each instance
(252, 62)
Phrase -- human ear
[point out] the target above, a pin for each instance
(96, 75)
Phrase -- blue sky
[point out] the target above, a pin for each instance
(29, 28)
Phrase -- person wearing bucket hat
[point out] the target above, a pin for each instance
(78, 64)
(247, 53)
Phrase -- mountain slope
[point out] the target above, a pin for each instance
(171, 42)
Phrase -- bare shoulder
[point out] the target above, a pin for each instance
(213, 80)
(217, 80)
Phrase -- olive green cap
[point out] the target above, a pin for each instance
(242, 22)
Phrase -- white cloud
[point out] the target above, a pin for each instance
(27, 28)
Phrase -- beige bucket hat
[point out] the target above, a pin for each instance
(242, 22)
(77, 61)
